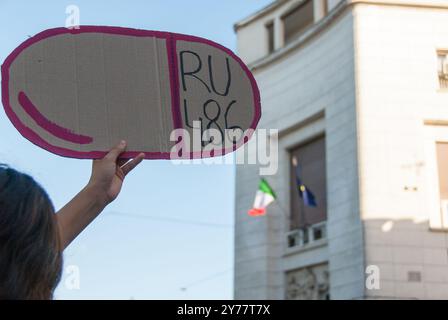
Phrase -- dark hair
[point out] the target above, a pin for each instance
(30, 248)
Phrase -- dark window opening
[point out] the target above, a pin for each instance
(270, 33)
(310, 159)
(297, 20)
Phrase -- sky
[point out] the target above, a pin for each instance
(172, 225)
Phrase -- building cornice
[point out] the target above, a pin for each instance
(309, 34)
(274, 5)
(328, 20)
(437, 4)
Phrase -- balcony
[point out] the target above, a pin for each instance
(315, 234)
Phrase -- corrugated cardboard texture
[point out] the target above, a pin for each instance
(78, 92)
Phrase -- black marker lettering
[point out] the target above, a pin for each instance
(231, 128)
(191, 73)
(226, 115)
(212, 82)
(212, 120)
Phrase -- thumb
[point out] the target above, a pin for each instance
(115, 152)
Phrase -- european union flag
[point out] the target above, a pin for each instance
(307, 196)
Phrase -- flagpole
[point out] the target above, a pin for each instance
(302, 208)
(302, 194)
(287, 214)
(295, 164)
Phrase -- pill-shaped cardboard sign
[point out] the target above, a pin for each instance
(77, 92)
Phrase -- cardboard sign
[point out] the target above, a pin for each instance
(77, 92)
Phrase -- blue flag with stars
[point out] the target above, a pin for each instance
(307, 196)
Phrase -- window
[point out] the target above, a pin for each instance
(270, 36)
(442, 68)
(310, 159)
(436, 162)
(297, 20)
(414, 276)
(442, 166)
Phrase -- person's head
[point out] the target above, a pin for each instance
(30, 250)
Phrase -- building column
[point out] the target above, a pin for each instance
(320, 9)
(279, 37)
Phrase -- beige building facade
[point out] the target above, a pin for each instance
(358, 90)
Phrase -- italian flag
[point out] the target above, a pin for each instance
(264, 197)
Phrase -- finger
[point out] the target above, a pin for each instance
(128, 167)
(115, 152)
(122, 162)
(119, 173)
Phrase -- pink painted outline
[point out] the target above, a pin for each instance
(53, 128)
(171, 39)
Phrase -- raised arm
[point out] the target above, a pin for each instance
(103, 187)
